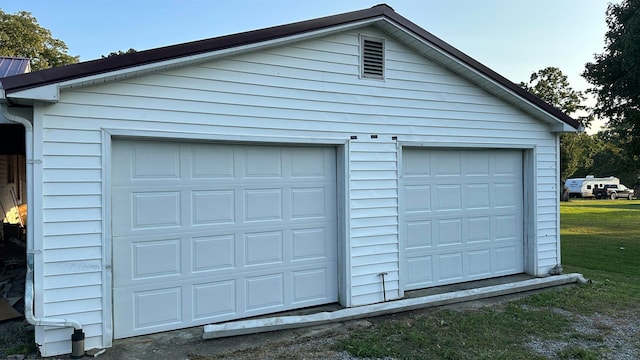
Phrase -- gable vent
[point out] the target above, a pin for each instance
(372, 58)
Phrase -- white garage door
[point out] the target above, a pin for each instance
(462, 215)
(205, 233)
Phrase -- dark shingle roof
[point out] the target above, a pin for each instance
(105, 65)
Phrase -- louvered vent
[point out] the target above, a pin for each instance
(372, 58)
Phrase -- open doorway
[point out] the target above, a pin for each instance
(13, 210)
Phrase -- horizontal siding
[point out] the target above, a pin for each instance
(79, 306)
(375, 178)
(300, 91)
(73, 241)
(59, 339)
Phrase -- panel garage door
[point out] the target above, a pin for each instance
(462, 215)
(205, 233)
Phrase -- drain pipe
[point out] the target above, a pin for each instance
(77, 338)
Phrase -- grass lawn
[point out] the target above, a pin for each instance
(600, 239)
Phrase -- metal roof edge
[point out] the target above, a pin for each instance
(105, 65)
(482, 69)
(19, 83)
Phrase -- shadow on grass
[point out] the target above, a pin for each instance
(607, 204)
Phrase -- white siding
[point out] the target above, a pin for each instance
(296, 93)
(373, 198)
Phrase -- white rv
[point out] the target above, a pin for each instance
(586, 190)
(583, 187)
(574, 186)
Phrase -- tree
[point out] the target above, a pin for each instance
(119, 52)
(22, 36)
(552, 86)
(615, 73)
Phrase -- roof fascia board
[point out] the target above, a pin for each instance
(51, 92)
(451, 62)
(47, 93)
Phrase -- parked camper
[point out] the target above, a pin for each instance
(574, 186)
(588, 185)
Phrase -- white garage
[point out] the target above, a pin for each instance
(205, 233)
(345, 159)
(462, 214)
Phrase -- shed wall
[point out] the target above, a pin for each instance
(297, 93)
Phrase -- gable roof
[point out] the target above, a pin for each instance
(382, 16)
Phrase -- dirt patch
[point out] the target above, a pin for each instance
(605, 336)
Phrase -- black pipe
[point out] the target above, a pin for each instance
(77, 344)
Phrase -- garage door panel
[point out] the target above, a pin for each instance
(308, 203)
(311, 285)
(507, 165)
(508, 194)
(311, 163)
(309, 244)
(479, 263)
(262, 162)
(507, 259)
(477, 164)
(210, 162)
(160, 209)
(212, 253)
(264, 292)
(213, 207)
(161, 161)
(479, 229)
(447, 164)
(264, 248)
(462, 214)
(449, 267)
(477, 196)
(224, 293)
(419, 271)
(448, 197)
(418, 234)
(236, 236)
(417, 198)
(154, 259)
(157, 307)
(263, 204)
(448, 232)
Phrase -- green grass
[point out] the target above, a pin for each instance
(491, 333)
(599, 238)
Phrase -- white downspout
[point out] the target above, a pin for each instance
(78, 336)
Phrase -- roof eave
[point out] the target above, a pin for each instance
(46, 85)
(453, 59)
(184, 52)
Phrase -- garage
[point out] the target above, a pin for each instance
(462, 215)
(203, 233)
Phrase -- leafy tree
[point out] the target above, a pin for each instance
(577, 151)
(552, 86)
(22, 36)
(119, 52)
(615, 73)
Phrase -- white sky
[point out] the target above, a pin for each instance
(512, 37)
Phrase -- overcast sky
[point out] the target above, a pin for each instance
(512, 37)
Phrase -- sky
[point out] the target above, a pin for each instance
(512, 37)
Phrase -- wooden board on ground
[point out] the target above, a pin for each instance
(7, 312)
